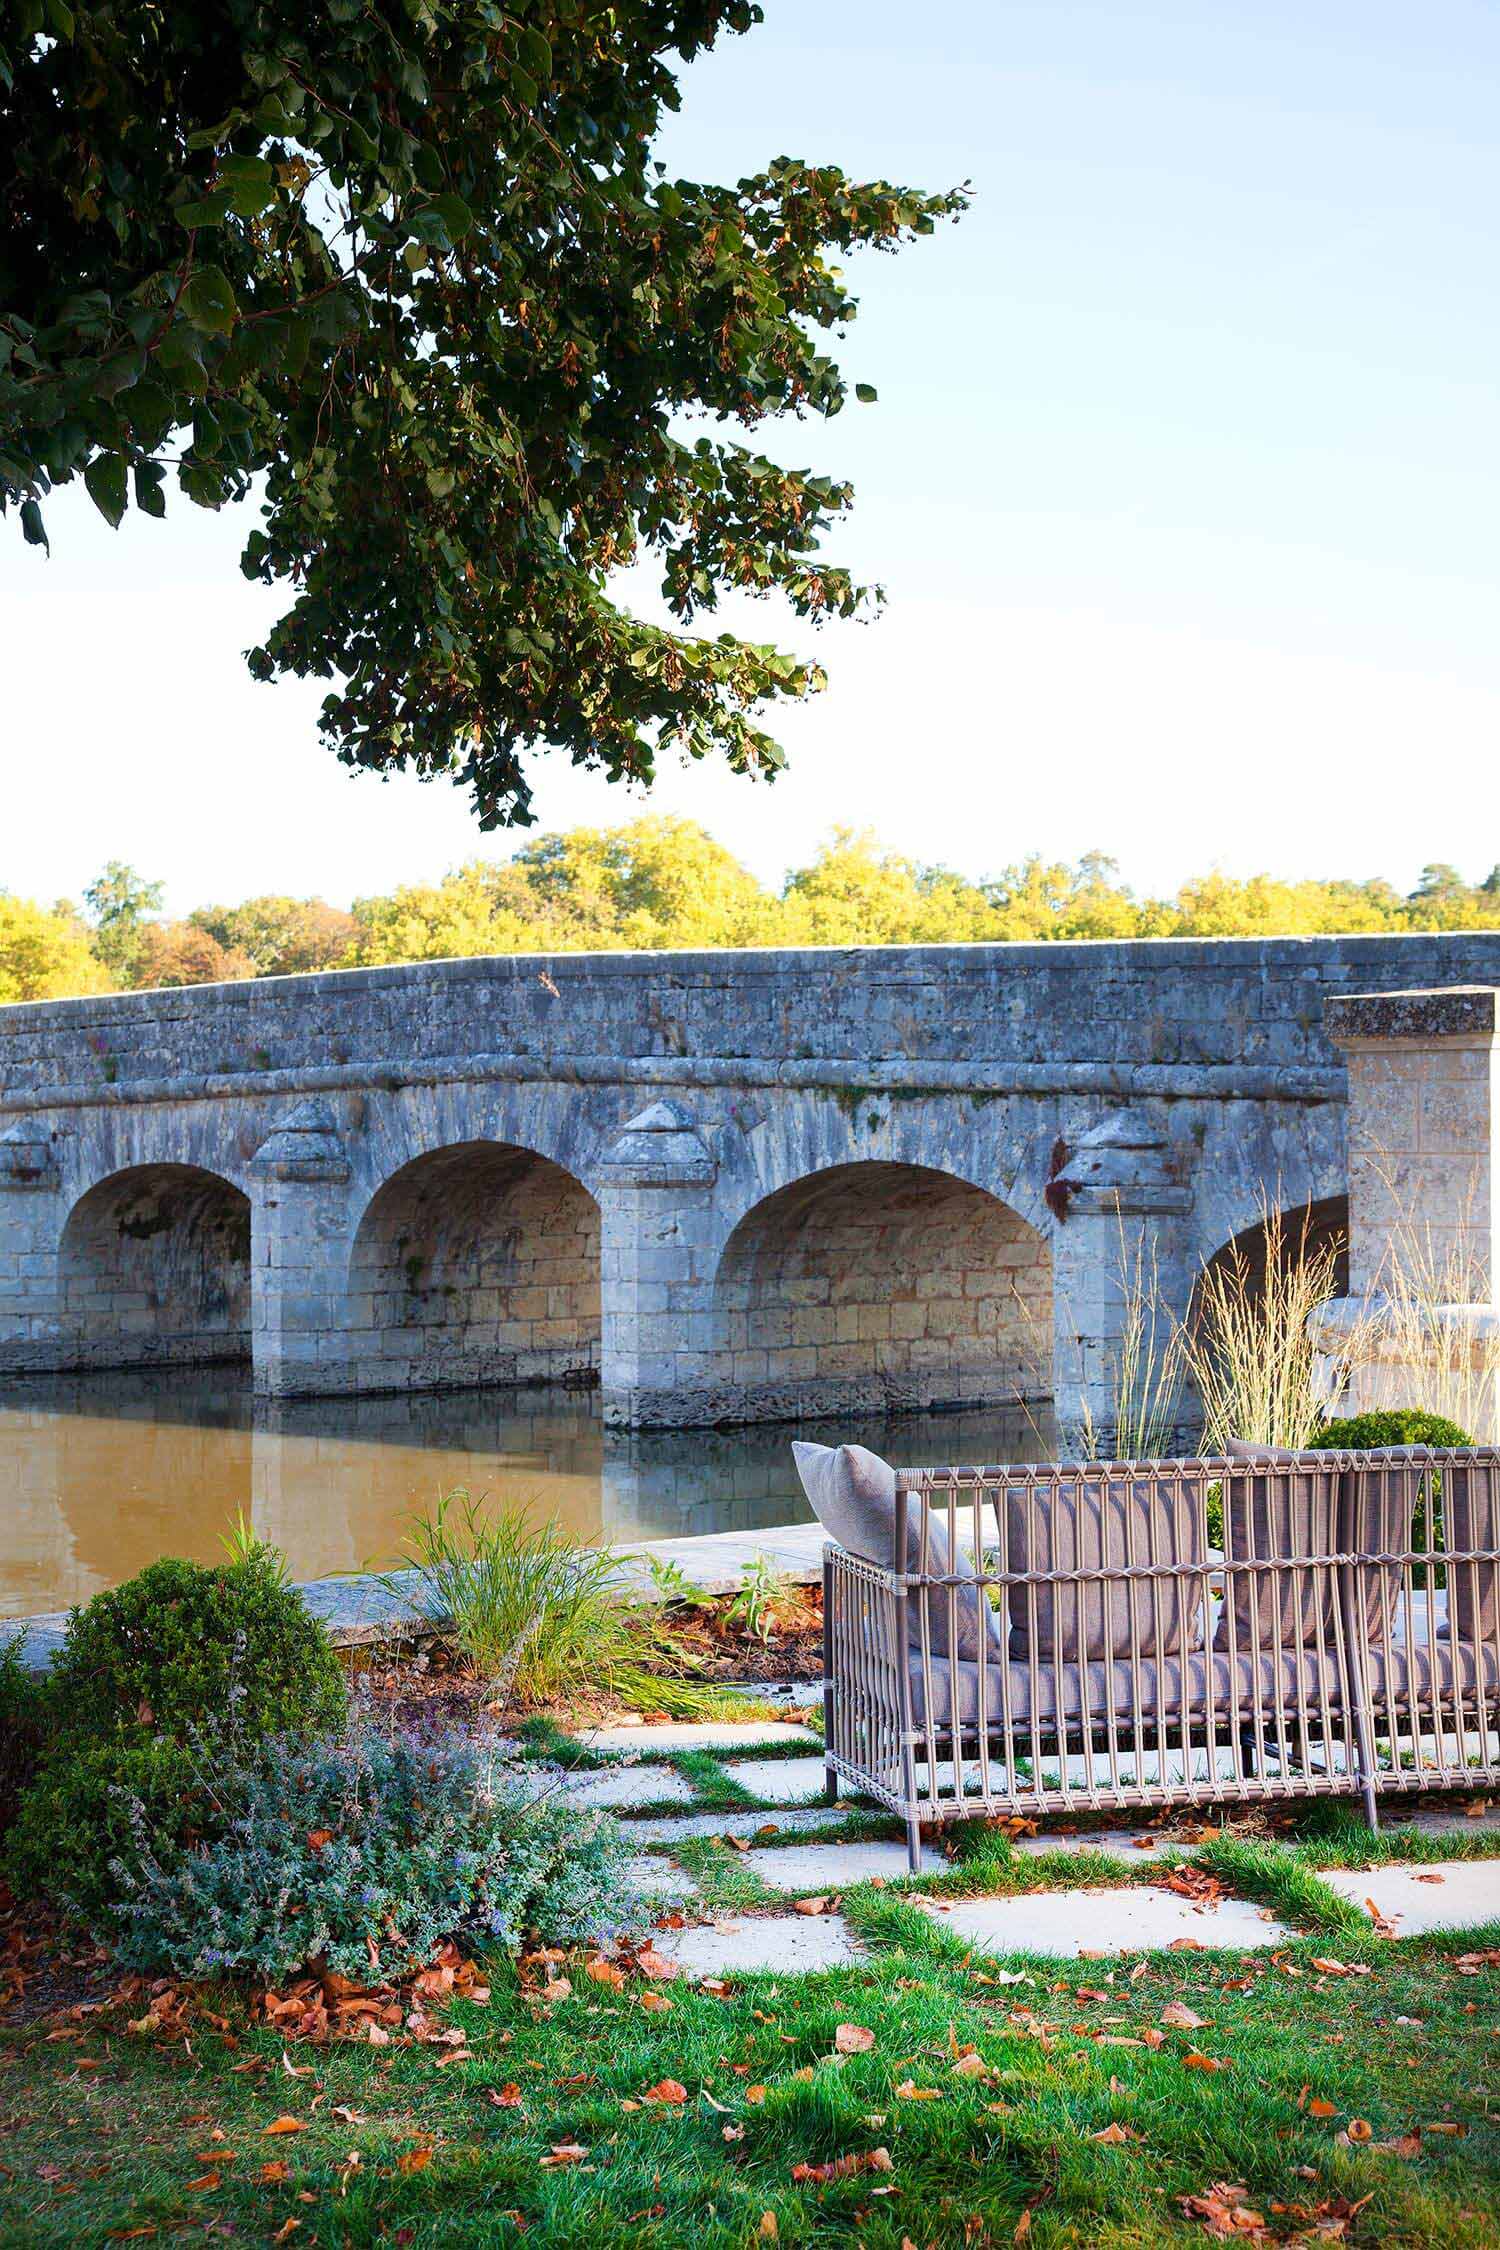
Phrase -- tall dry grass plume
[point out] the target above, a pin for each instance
(1250, 1348)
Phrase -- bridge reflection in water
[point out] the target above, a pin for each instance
(102, 1473)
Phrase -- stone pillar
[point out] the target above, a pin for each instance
(299, 1247)
(31, 1222)
(1421, 1324)
(659, 1250)
(1121, 1207)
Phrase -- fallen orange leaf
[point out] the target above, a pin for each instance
(287, 2125)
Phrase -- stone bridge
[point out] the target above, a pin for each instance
(724, 1186)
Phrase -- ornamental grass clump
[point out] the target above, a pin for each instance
(359, 1858)
(537, 1616)
(1250, 1350)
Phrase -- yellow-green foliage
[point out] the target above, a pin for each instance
(663, 882)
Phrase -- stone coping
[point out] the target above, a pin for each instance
(359, 1609)
(1466, 1012)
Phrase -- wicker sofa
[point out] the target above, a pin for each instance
(1042, 1639)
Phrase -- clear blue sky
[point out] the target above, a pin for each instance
(1184, 483)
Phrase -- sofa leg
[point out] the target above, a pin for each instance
(914, 1846)
(1372, 1812)
(830, 1783)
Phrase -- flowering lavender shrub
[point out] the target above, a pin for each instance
(392, 1845)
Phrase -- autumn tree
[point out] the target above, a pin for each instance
(46, 953)
(412, 276)
(281, 937)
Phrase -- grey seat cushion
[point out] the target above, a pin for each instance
(853, 1495)
(1296, 1681)
(1289, 1685)
(1284, 1519)
(1085, 1521)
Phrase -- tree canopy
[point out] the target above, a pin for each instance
(661, 882)
(408, 271)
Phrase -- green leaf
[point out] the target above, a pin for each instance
(105, 478)
(208, 211)
(250, 183)
(536, 54)
(456, 215)
(209, 302)
(525, 88)
(866, 392)
(149, 497)
(33, 530)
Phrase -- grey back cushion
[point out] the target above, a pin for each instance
(1277, 1519)
(1376, 1511)
(1087, 1522)
(1471, 1513)
(853, 1494)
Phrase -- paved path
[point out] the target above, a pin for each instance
(783, 1844)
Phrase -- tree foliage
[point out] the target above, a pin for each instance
(46, 953)
(411, 272)
(662, 882)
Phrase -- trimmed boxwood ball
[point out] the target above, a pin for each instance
(185, 1651)
(97, 1809)
(163, 1686)
(1399, 1425)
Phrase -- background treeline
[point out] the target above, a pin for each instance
(663, 882)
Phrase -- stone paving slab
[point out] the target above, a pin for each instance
(788, 1943)
(808, 1868)
(654, 1878)
(1450, 1820)
(781, 1781)
(666, 1828)
(708, 1734)
(1125, 1843)
(1455, 1895)
(1070, 1923)
(617, 1787)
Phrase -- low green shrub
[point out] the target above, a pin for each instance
(194, 1653)
(91, 1817)
(161, 1685)
(24, 1711)
(1399, 1425)
(361, 1857)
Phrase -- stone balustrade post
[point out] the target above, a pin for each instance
(1421, 1324)
(299, 1247)
(658, 1250)
(1120, 1254)
(31, 1221)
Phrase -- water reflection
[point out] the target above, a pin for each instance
(99, 1474)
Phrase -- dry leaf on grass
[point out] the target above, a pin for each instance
(844, 2167)
(853, 2039)
(654, 2003)
(286, 2125)
(812, 1906)
(561, 2155)
(1195, 2061)
(667, 2092)
(1180, 2016)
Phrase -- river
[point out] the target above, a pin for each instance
(100, 1474)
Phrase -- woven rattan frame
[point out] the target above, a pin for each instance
(1290, 1668)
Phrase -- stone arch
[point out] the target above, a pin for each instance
(154, 1268)
(881, 1287)
(1305, 1229)
(477, 1264)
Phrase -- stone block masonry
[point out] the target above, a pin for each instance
(724, 1185)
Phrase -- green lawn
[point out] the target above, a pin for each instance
(113, 2137)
